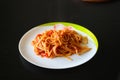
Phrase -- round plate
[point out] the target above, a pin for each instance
(27, 50)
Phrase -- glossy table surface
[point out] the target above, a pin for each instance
(103, 19)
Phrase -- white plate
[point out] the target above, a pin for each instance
(27, 51)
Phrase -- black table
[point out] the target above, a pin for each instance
(103, 19)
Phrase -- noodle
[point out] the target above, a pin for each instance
(60, 43)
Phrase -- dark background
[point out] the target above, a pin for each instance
(103, 19)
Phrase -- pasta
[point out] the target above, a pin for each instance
(60, 43)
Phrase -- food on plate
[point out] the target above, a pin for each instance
(60, 43)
